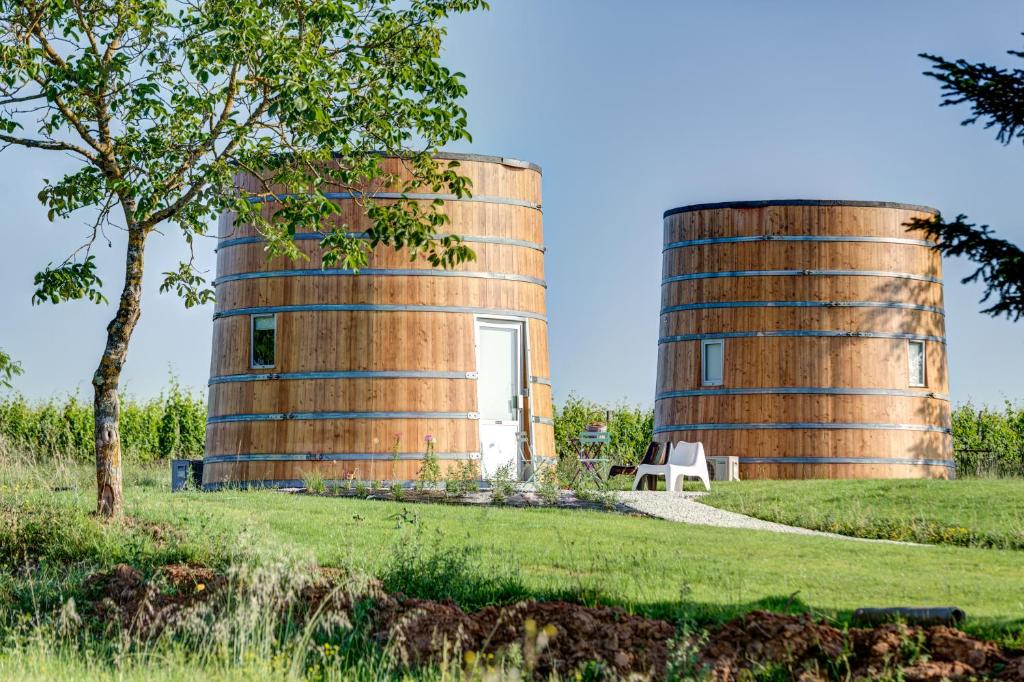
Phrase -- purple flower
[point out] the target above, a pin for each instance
(428, 438)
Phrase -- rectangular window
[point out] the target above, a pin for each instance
(712, 353)
(264, 340)
(916, 354)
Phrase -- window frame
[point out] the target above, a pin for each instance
(252, 340)
(924, 363)
(704, 380)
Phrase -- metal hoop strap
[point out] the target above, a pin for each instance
(802, 332)
(802, 390)
(294, 416)
(386, 374)
(801, 304)
(361, 307)
(848, 460)
(801, 273)
(317, 236)
(795, 238)
(483, 199)
(386, 272)
(333, 457)
(859, 426)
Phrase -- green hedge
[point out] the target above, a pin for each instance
(171, 425)
(631, 427)
(987, 441)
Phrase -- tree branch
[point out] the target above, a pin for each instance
(51, 145)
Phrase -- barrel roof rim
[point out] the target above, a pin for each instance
(485, 158)
(797, 202)
(488, 158)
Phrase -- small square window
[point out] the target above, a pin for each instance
(264, 340)
(916, 355)
(712, 360)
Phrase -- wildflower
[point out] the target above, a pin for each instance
(531, 626)
(469, 658)
(550, 630)
(428, 438)
(200, 587)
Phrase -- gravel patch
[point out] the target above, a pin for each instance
(683, 507)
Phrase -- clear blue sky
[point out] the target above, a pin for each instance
(632, 108)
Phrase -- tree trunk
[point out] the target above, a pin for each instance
(106, 403)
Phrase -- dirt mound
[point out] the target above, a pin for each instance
(560, 638)
(814, 650)
(552, 636)
(123, 596)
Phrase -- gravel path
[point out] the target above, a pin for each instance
(683, 507)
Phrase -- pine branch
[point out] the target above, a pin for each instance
(1000, 263)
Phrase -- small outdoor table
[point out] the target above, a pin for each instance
(593, 464)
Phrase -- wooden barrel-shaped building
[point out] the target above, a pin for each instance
(353, 375)
(805, 338)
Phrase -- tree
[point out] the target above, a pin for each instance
(8, 370)
(996, 97)
(162, 103)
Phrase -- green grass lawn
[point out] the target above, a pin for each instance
(489, 555)
(969, 512)
(647, 565)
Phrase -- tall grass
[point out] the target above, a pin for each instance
(171, 425)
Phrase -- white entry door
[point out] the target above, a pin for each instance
(499, 382)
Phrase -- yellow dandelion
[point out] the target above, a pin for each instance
(200, 587)
(550, 630)
(531, 626)
(469, 658)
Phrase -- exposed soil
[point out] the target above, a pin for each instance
(553, 636)
(815, 650)
(559, 637)
(141, 606)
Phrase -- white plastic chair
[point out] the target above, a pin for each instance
(684, 459)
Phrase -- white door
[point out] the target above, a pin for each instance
(499, 381)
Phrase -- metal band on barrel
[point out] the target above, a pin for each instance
(859, 426)
(378, 272)
(334, 457)
(686, 243)
(802, 332)
(384, 374)
(801, 304)
(803, 390)
(801, 273)
(849, 460)
(361, 307)
(299, 416)
(317, 236)
(483, 199)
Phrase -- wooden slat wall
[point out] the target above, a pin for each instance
(373, 341)
(805, 361)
